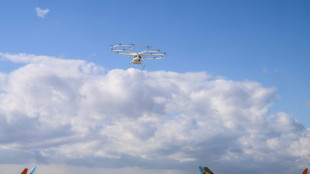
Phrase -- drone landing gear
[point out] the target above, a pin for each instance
(141, 63)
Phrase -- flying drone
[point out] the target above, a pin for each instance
(137, 53)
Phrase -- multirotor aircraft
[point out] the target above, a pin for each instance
(131, 51)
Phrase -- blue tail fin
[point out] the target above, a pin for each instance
(202, 171)
(32, 170)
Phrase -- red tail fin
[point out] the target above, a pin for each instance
(24, 171)
(305, 171)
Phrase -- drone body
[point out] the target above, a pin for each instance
(136, 59)
(131, 51)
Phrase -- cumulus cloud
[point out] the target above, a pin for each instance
(41, 12)
(55, 111)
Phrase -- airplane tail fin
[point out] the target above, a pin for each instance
(32, 171)
(305, 171)
(24, 171)
(202, 171)
(205, 170)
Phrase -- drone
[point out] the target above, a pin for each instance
(131, 51)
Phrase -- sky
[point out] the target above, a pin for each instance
(232, 92)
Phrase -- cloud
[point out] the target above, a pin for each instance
(72, 112)
(306, 103)
(41, 12)
(265, 70)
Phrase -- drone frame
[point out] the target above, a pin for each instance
(128, 50)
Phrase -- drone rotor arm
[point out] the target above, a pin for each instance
(126, 50)
(124, 54)
(154, 58)
(129, 48)
(153, 51)
(150, 51)
(123, 50)
(153, 55)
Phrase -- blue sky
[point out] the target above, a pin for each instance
(264, 41)
(258, 41)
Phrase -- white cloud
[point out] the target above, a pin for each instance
(41, 12)
(306, 103)
(55, 111)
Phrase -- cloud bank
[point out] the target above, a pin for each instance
(72, 112)
(41, 12)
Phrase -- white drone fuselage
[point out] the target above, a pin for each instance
(136, 58)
